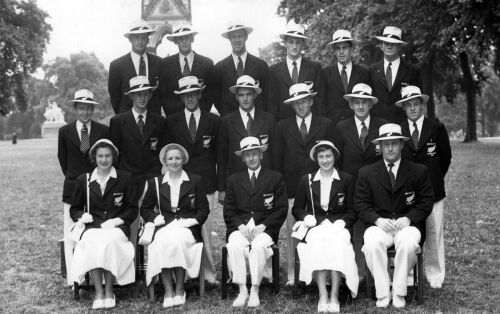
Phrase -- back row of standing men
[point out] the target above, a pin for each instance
(250, 97)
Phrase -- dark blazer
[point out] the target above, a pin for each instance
(72, 161)
(408, 74)
(309, 71)
(352, 155)
(225, 76)
(231, 132)
(337, 108)
(203, 151)
(412, 196)
(266, 203)
(121, 70)
(118, 201)
(138, 155)
(291, 152)
(433, 150)
(170, 74)
(193, 203)
(341, 200)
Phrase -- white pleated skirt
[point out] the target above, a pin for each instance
(328, 248)
(104, 248)
(174, 246)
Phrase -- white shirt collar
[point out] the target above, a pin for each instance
(197, 114)
(136, 115)
(307, 120)
(190, 58)
(95, 177)
(394, 168)
(244, 114)
(394, 68)
(136, 61)
(166, 178)
(250, 172)
(335, 175)
(358, 123)
(289, 63)
(420, 122)
(348, 68)
(243, 58)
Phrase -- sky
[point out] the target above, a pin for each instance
(98, 26)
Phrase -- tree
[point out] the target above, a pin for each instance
(81, 70)
(273, 53)
(24, 34)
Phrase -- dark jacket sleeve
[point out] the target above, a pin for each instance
(424, 198)
(201, 202)
(215, 87)
(62, 151)
(115, 134)
(278, 148)
(363, 199)
(231, 217)
(338, 140)
(149, 202)
(278, 215)
(320, 87)
(444, 148)
(350, 216)
(222, 151)
(299, 209)
(79, 198)
(130, 212)
(115, 86)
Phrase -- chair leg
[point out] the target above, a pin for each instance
(276, 269)
(201, 276)
(296, 271)
(76, 291)
(225, 274)
(420, 283)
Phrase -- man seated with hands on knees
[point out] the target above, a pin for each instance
(393, 197)
(255, 208)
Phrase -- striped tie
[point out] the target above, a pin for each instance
(303, 129)
(253, 179)
(84, 142)
(391, 175)
(343, 77)
(249, 124)
(140, 124)
(239, 68)
(142, 67)
(363, 135)
(186, 71)
(295, 73)
(192, 127)
(415, 135)
(388, 76)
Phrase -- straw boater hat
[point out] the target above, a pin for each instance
(324, 143)
(391, 34)
(246, 81)
(139, 83)
(235, 25)
(389, 131)
(103, 140)
(249, 143)
(341, 36)
(84, 96)
(294, 30)
(299, 91)
(171, 146)
(361, 90)
(410, 92)
(179, 31)
(138, 27)
(188, 84)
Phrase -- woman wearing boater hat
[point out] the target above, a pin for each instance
(103, 201)
(176, 245)
(324, 209)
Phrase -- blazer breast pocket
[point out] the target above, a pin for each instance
(409, 198)
(207, 141)
(268, 200)
(118, 199)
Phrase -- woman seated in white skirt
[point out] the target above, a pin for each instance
(324, 207)
(104, 249)
(177, 243)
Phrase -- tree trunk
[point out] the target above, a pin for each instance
(470, 92)
(428, 86)
(482, 121)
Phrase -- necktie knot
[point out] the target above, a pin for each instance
(84, 128)
(344, 67)
(390, 165)
(140, 117)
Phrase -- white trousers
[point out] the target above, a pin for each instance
(69, 244)
(291, 244)
(206, 232)
(434, 265)
(238, 251)
(377, 241)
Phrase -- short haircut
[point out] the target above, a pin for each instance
(103, 145)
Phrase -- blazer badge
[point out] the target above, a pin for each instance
(118, 199)
(341, 197)
(268, 200)
(410, 197)
(263, 139)
(192, 199)
(154, 143)
(207, 140)
(431, 148)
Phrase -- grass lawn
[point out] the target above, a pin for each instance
(31, 224)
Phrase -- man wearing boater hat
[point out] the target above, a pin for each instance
(135, 63)
(429, 145)
(240, 62)
(245, 121)
(74, 142)
(295, 69)
(254, 210)
(184, 63)
(294, 138)
(387, 77)
(353, 138)
(393, 197)
(196, 130)
(342, 76)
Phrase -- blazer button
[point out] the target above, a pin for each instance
(105, 212)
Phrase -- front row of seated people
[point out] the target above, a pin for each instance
(392, 196)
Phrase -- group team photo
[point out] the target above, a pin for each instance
(248, 179)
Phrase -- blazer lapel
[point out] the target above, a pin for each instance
(383, 175)
(130, 66)
(258, 122)
(402, 70)
(95, 188)
(380, 74)
(245, 180)
(261, 181)
(294, 131)
(185, 188)
(352, 132)
(165, 192)
(424, 134)
(402, 175)
(336, 77)
(315, 186)
(304, 71)
(73, 135)
(313, 129)
(238, 125)
(336, 186)
(175, 58)
(149, 126)
(202, 126)
(111, 182)
(285, 74)
(132, 125)
(354, 77)
(93, 133)
(405, 129)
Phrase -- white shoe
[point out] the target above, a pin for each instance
(323, 308)
(98, 304)
(180, 299)
(110, 303)
(240, 300)
(398, 301)
(435, 285)
(254, 300)
(334, 307)
(384, 302)
(168, 302)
